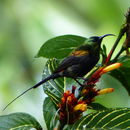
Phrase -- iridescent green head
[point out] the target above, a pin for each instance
(96, 40)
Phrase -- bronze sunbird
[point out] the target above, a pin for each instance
(77, 64)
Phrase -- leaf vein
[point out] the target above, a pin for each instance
(87, 116)
(112, 112)
(114, 119)
(121, 123)
(31, 125)
(56, 80)
(93, 117)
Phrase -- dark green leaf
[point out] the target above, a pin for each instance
(67, 127)
(49, 112)
(60, 47)
(97, 106)
(55, 88)
(106, 119)
(125, 60)
(18, 121)
(123, 73)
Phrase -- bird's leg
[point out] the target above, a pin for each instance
(78, 82)
(80, 88)
(84, 79)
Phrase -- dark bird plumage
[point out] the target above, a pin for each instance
(78, 64)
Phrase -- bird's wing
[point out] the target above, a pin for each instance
(73, 59)
(67, 62)
(80, 53)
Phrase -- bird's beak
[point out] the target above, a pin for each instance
(101, 37)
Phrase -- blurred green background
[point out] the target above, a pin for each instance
(26, 24)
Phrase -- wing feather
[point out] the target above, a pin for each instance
(67, 62)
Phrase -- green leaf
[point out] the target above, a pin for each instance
(60, 47)
(107, 119)
(123, 73)
(97, 106)
(55, 88)
(49, 112)
(18, 121)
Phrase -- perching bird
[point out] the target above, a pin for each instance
(78, 64)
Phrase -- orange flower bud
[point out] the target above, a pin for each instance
(84, 91)
(69, 99)
(110, 68)
(80, 107)
(67, 93)
(106, 90)
(63, 100)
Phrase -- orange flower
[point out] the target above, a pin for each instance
(70, 109)
(80, 107)
(96, 75)
(105, 91)
(110, 68)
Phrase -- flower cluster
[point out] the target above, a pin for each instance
(102, 70)
(72, 107)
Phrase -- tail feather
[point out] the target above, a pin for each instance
(53, 76)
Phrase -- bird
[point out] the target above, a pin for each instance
(80, 61)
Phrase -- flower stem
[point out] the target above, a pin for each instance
(119, 53)
(121, 33)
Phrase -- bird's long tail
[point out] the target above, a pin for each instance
(53, 76)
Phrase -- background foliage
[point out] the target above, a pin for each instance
(26, 24)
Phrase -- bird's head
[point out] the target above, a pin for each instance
(96, 40)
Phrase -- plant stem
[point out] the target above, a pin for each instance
(119, 53)
(122, 31)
